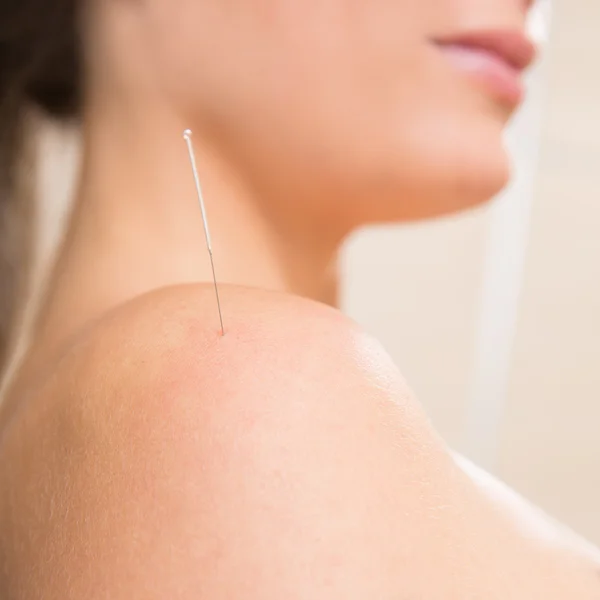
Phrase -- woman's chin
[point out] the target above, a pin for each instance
(429, 193)
(472, 190)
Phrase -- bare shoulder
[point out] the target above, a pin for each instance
(169, 343)
(290, 380)
(171, 337)
(287, 459)
(166, 457)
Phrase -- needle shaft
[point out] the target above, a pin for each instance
(187, 136)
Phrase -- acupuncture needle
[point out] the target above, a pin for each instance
(187, 136)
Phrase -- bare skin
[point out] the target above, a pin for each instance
(144, 456)
(171, 462)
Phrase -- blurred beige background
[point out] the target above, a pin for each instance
(419, 289)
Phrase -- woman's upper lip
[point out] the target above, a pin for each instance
(513, 46)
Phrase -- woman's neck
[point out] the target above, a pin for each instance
(137, 226)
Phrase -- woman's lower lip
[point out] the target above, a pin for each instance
(500, 78)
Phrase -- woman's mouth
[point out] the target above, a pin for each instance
(495, 60)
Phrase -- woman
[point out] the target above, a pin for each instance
(145, 455)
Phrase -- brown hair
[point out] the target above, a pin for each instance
(39, 67)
